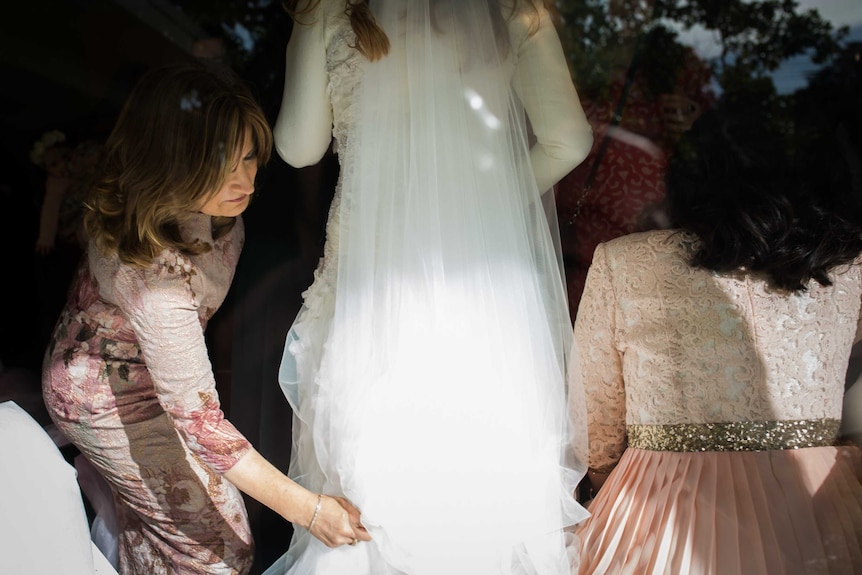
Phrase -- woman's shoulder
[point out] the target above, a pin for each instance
(524, 17)
(319, 13)
(652, 244)
(166, 283)
(848, 274)
(640, 264)
(315, 7)
(326, 13)
(328, 8)
(118, 279)
(330, 17)
(122, 284)
(652, 253)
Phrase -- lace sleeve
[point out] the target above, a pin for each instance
(601, 365)
(544, 84)
(858, 337)
(303, 129)
(163, 310)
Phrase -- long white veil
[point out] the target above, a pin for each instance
(440, 404)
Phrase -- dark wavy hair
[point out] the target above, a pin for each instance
(736, 182)
(171, 150)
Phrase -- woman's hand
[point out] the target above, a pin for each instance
(359, 531)
(44, 246)
(337, 523)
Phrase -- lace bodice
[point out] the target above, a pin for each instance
(663, 343)
(343, 68)
(321, 106)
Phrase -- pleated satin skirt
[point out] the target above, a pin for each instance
(725, 513)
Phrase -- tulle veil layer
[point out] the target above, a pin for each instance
(430, 387)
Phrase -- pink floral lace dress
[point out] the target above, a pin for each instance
(719, 402)
(127, 378)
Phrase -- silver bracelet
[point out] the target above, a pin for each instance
(316, 511)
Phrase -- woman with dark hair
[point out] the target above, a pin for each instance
(127, 377)
(714, 356)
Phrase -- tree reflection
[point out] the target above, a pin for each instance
(642, 86)
(752, 38)
(254, 33)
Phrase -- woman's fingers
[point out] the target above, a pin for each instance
(334, 526)
(359, 530)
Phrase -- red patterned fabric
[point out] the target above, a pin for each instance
(629, 174)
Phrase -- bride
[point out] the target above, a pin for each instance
(427, 369)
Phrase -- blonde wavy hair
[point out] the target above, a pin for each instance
(169, 152)
(371, 40)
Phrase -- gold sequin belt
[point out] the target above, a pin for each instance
(734, 436)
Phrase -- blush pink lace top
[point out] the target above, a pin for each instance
(664, 343)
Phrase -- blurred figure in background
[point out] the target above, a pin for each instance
(660, 88)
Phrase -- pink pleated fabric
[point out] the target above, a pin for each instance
(793, 512)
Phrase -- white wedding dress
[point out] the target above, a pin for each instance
(427, 367)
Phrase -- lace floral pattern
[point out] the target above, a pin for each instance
(343, 68)
(662, 343)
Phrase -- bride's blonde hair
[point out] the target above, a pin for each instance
(371, 40)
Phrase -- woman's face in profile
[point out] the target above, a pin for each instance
(235, 193)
